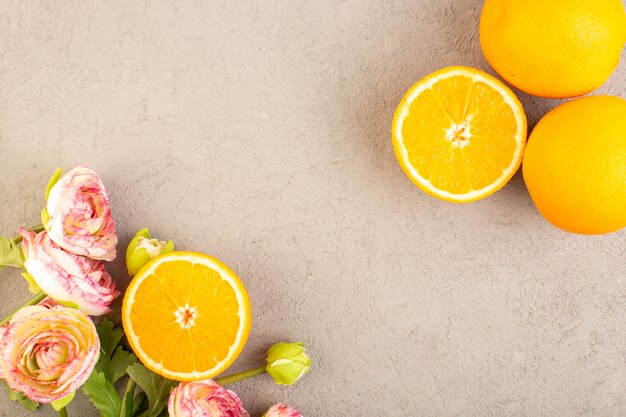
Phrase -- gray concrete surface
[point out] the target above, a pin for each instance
(258, 132)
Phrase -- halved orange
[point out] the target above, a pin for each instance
(186, 315)
(459, 134)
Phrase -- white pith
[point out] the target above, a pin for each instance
(459, 134)
(186, 316)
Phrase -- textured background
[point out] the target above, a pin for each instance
(259, 133)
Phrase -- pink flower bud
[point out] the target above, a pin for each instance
(68, 278)
(47, 353)
(78, 217)
(48, 303)
(281, 410)
(204, 398)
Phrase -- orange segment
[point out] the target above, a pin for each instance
(186, 316)
(459, 134)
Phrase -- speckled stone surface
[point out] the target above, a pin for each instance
(258, 132)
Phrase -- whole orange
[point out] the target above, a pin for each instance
(575, 165)
(553, 48)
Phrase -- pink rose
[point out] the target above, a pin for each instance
(281, 410)
(46, 303)
(47, 353)
(68, 278)
(204, 398)
(78, 217)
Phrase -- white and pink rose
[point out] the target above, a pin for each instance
(68, 278)
(281, 410)
(47, 353)
(78, 216)
(204, 398)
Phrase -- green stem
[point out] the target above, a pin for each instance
(127, 399)
(240, 376)
(18, 238)
(36, 299)
(63, 412)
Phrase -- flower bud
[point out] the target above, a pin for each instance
(204, 398)
(281, 410)
(142, 248)
(287, 362)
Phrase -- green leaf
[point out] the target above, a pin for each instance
(169, 247)
(103, 395)
(62, 402)
(28, 404)
(127, 406)
(157, 388)
(120, 361)
(55, 178)
(32, 285)
(45, 217)
(138, 404)
(111, 366)
(68, 304)
(10, 254)
(113, 359)
(110, 337)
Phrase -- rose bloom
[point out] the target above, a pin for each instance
(68, 278)
(78, 217)
(281, 410)
(47, 353)
(204, 398)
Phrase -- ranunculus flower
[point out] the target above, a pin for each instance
(46, 354)
(45, 303)
(204, 398)
(287, 362)
(77, 215)
(281, 410)
(67, 278)
(142, 248)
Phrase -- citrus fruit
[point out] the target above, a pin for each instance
(555, 48)
(575, 165)
(459, 134)
(186, 316)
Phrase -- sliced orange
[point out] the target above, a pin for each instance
(459, 134)
(186, 315)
